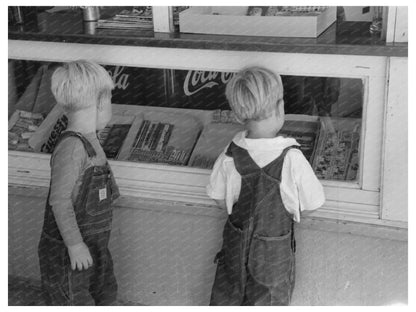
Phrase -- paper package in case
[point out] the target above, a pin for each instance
(305, 130)
(113, 137)
(214, 139)
(21, 127)
(337, 152)
(46, 136)
(165, 138)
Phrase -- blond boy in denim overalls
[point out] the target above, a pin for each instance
(264, 182)
(75, 263)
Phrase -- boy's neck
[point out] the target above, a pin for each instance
(262, 129)
(257, 134)
(81, 121)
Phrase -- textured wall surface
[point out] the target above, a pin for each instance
(166, 258)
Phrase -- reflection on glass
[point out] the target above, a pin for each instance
(90, 13)
(377, 23)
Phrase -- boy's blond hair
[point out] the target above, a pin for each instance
(79, 84)
(254, 93)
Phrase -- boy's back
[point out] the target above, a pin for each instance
(264, 183)
(300, 189)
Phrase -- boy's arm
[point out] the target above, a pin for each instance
(67, 164)
(114, 187)
(310, 192)
(216, 188)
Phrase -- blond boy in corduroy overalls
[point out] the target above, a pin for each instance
(264, 182)
(75, 263)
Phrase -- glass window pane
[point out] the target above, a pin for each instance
(324, 114)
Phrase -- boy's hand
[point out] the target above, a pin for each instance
(80, 256)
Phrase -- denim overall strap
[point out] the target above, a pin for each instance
(239, 154)
(274, 168)
(87, 145)
(50, 227)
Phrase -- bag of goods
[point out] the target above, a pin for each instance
(22, 126)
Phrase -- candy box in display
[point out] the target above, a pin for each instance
(234, 20)
(164, 137)
(337, 152)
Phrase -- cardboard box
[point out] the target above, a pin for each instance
(233, 21)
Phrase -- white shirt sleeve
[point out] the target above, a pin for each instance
(300, 188)
(225, 182)
(216, 188)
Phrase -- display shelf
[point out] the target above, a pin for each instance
(345, 200)
(182, 184)
(350, 38)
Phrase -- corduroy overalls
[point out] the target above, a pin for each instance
(96, 285)
(256, 265)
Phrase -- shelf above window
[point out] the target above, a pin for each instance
(350, 38)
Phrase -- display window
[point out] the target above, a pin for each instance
(171, 119)
(182, 118)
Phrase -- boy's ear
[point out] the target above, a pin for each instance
(281, 104)
(280, 110)
(100, 104)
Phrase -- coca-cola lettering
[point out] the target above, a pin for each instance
(196, 80)
(119, 79)
(225, 77)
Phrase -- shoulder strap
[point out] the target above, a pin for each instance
(229, 151)
(287, 149)
(87, 145)
(277, 164)
(282, 156)
(242, 159)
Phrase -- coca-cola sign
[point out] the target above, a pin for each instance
(137, 86)
(196, 80)
(119, 77)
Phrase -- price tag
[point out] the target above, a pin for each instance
(102, 193)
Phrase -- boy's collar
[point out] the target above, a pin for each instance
(265, 144)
